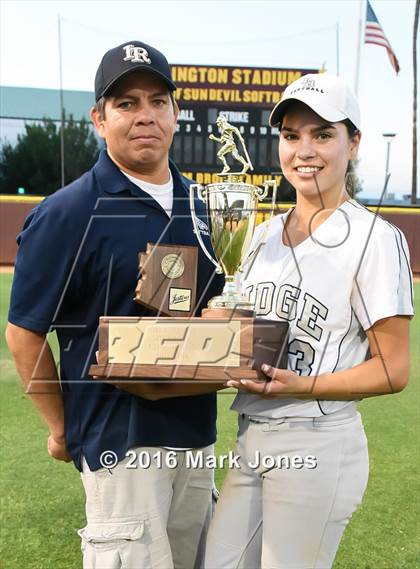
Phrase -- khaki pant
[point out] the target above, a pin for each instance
(271, 516)
(153, 517)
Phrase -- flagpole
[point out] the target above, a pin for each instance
(414, 167)
(359, 45)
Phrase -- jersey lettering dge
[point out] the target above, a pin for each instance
(285, 306)
(329, 294)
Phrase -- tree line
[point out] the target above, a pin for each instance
(34, 164)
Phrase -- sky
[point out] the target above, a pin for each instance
(276, 33)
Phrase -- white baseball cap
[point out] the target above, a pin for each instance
(327, 95)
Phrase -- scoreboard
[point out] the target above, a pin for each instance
(245, 96)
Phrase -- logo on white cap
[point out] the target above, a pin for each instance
(306, 84)
(136, 54)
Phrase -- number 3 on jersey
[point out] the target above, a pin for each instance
(301, 357)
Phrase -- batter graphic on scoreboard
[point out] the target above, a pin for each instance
(227, 140)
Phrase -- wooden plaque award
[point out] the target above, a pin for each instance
(168, 282)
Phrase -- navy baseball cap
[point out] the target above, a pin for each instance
(127, 57)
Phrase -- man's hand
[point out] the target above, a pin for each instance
(36, 367)
(57, 449)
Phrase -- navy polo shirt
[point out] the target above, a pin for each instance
(78, 260)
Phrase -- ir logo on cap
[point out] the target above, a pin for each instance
(136, 54)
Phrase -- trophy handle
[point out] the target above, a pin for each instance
(273, 185)
(201, 192)
(262, 193)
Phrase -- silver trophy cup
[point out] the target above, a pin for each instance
(232, 208)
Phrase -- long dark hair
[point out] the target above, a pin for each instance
(351, 178)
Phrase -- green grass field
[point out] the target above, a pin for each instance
(43, 501)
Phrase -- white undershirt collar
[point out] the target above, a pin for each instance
(162, 193)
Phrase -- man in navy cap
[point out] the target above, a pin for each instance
(77, 260)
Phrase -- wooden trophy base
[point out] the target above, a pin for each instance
(219, 346)
(226, 313)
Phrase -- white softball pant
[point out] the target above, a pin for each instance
(153, 517)
(271, 516)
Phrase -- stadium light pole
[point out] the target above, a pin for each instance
(389, 136)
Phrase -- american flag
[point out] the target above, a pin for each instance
(375, 34)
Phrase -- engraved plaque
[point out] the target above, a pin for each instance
(168, 279)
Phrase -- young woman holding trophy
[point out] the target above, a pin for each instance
(340, 276)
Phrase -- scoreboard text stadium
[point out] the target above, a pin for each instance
(245, 96)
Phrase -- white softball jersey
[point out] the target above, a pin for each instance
(352, 271)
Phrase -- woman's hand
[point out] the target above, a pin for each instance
(279, 383)
(384, 373)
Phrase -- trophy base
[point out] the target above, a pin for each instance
(213, 349)
(227, 313)
(231, 299)
(231, 303)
